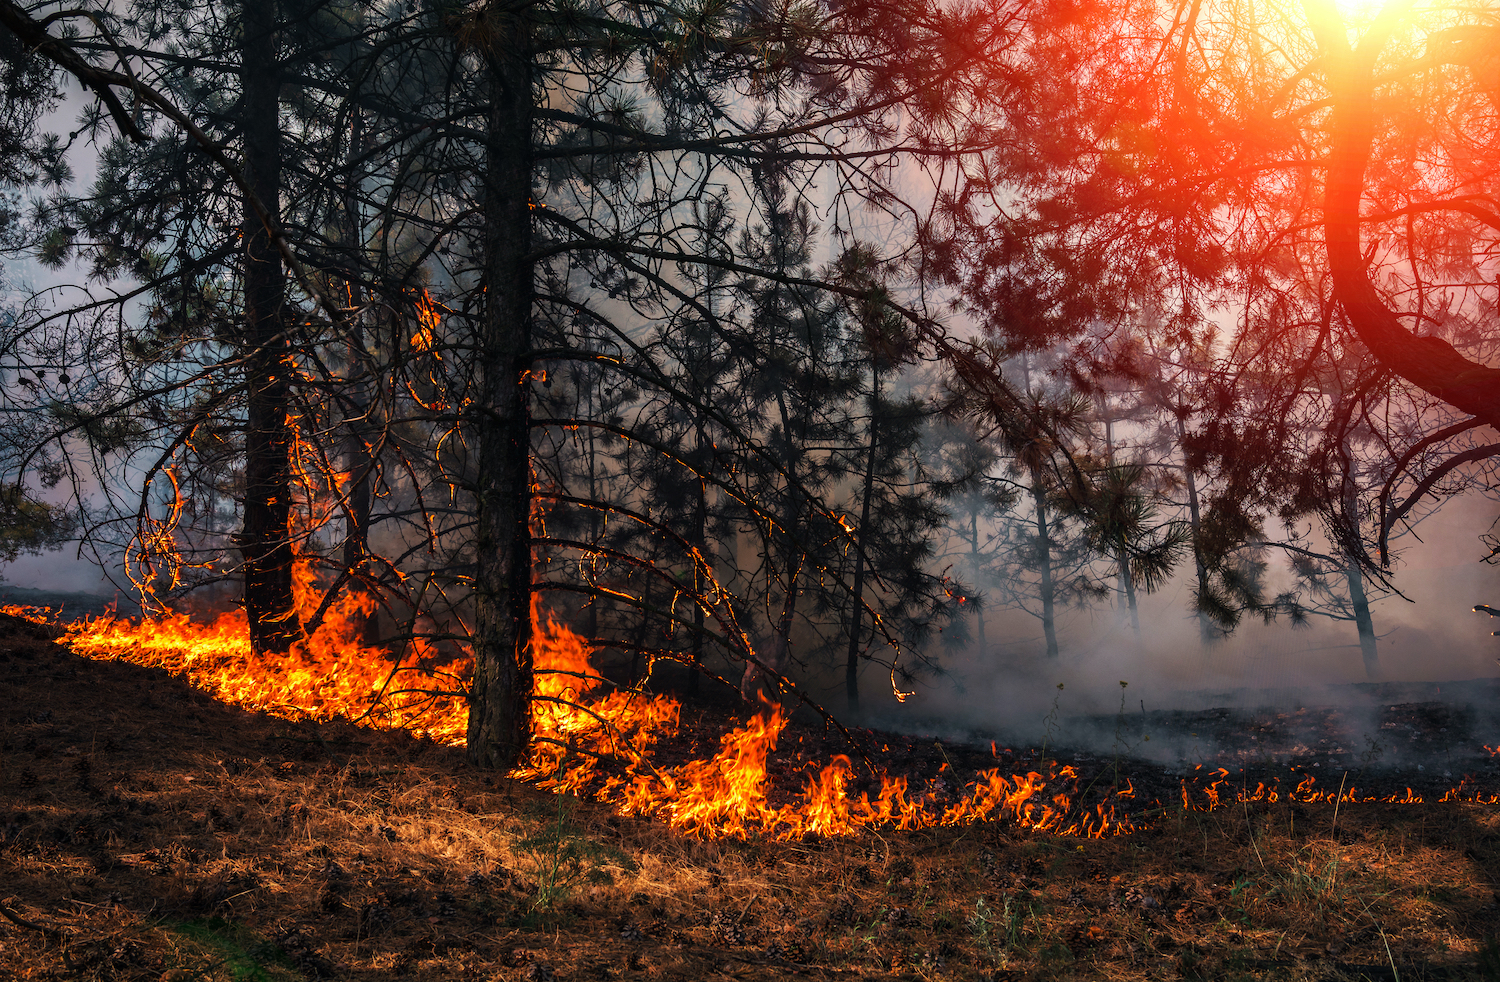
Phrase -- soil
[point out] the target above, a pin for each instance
(148, 832)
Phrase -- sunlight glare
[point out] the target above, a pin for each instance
(1358, 12)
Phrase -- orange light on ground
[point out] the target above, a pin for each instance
(597, 740)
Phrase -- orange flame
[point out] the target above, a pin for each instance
(595, 739)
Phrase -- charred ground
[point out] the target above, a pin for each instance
(148, 832)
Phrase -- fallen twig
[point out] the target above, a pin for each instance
(50, 933)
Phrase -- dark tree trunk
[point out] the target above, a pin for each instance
(699, 540)
(642, 635)
(265, 540)
(500, 699)
(594, 529)
(984, 644)
(856, 603)
(359, 463)
(1044, 563)
(756, 683)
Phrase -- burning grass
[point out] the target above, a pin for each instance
(150, 832)
(593, 739)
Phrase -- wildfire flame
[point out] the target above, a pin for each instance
(592, 738)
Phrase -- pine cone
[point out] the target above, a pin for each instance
(725, 929)
(330, 898)
(374, 918)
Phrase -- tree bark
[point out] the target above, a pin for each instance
(856, 603)
(1044, 556)
(755, 683)
(699, 540)
(359, 462)
(1362, 620)
(499, 732)
(1127, 590)
(984, 645)
(265, 539)
(1429, 363)
(1206, 633)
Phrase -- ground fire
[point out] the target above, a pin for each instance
(596, 740)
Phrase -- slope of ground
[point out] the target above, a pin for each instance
(149, 833)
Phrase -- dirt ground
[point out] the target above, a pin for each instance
(149, 833)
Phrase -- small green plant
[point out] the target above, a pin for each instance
(1240, 894)
(560, 858)
(1303, 886)
(999, 932)
(244, 956)
(1013, 917)
(982, 925)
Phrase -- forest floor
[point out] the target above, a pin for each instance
(150, 833)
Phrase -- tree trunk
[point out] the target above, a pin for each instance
(856, 604)
(757, 684)
(592, 623)
(1429, 363)
(754, 683)
(1127, 588)
(265, 540)
(1362, 620)
(1205, 627)
(1044, 562)
(699, 540)
(500, 698)
(642, 635)
(359, 463)
(984, 644)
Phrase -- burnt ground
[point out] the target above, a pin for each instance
(148, 832)
(1374, 739)
(68, 606)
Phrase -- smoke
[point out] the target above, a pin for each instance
(1432, 649)
(55, 572)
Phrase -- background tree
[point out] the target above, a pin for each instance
(547, 164)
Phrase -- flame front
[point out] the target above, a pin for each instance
(592, 738)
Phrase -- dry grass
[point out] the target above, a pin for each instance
(147, 833)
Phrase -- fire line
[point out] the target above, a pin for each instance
(594, 740)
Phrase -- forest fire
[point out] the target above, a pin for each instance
(595, 740)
